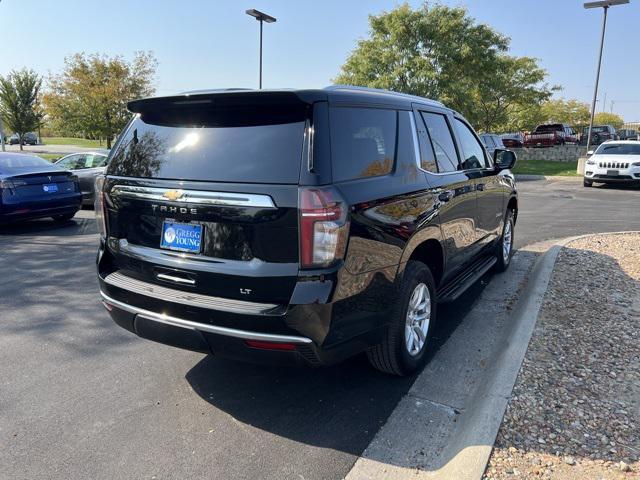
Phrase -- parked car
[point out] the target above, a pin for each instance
(550, 134)
(30, 138)
(513, 140)
(599, 134)
(31, 187)
(627, 134)
(613, 162)
(492, 142)
(87, 166)
(299, 226)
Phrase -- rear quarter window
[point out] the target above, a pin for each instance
(363, 142)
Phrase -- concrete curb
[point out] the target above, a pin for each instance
(472, 443)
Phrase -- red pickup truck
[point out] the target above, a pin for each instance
(550, 134)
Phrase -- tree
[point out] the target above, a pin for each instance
(605, 118)
(572, 112)
(90, 96)
(441, 53)
(19, 102)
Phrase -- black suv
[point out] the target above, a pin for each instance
(300, 226)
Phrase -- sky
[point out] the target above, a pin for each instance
(214, 44)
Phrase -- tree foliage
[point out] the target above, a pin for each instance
(572, 112)
(19, 102)
(89, 98)
(605, 118)
(442, 53)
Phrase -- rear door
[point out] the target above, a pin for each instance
(205, 198)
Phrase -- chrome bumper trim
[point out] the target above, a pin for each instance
(200, 197)
(179, 322)
(198, 300)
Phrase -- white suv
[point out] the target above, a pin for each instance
(614, 161)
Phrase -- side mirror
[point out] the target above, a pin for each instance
(589, 153)
(504, 159)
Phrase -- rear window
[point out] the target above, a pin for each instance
(363, 142)
(22, 161)
(549, 128)
(241, 145)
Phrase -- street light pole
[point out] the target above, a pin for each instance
(261, 17)
(605, 6)
(2, 130)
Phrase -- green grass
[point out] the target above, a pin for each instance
(80, 142)
(545, 167)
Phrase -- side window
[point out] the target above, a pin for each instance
(427, 155)
(70, 163)
(363, 142)
(472, 150)
(441, 141)
(95, 161)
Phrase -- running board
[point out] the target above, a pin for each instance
(460, 283)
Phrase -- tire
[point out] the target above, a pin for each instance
(587, 183)
(63, 218)
(504, 256)
(392, 355)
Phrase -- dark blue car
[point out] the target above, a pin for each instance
(31, 187)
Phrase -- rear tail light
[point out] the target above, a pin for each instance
(100, 206)
(323, 226)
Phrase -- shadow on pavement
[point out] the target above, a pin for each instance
(47, 226)
(340, 407)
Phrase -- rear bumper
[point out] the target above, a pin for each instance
(236, 344)
(31, 210)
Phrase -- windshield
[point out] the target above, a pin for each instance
(595, 129)
(22, 161)
(222, 146)
(548, 128)
(619, 149)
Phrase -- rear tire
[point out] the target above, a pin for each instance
(504, 249)
(413, 317)
(63, 218)
(587, 183)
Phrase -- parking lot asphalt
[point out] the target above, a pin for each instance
(80, 397)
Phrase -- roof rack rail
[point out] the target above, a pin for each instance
(382, 91)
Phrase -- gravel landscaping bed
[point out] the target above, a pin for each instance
(575, 409)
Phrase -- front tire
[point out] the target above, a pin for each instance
(407, 340)
(587, 183)
(504, 249)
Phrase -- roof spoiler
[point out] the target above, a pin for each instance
(224, 98)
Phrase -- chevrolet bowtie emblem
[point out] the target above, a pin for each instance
(173, 194)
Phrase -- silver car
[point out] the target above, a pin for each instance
(87, 166)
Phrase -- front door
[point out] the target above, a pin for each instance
(454, 188)
(489, 190)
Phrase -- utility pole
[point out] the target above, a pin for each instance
(2, 130)
(605, 5)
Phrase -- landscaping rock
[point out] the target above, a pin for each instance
(576, 404)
